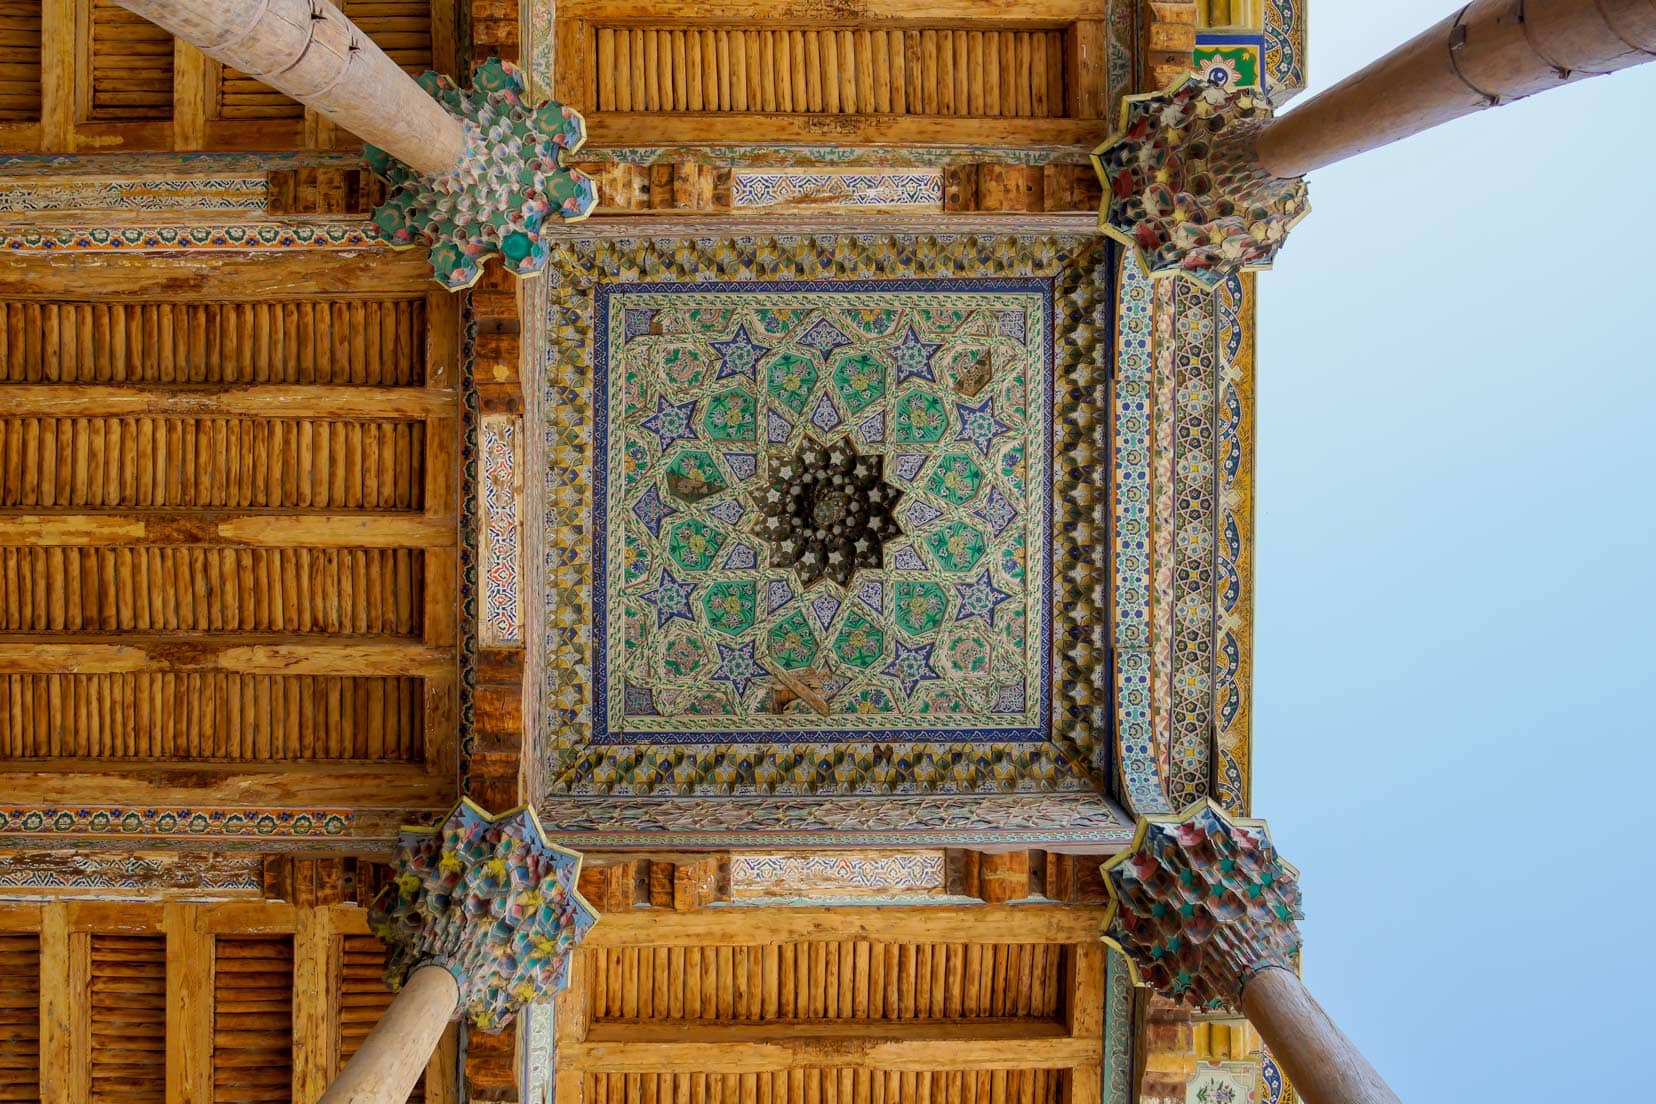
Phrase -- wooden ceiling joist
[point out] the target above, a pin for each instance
(966, 924)
(769, 1048)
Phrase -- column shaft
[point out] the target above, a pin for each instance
(395, 1053)
(1489, 52)
(1324, 1066)
(310, 51)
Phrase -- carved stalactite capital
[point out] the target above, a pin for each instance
(496, 198)
(491, 901)
(1200, 903)
(1184, 190)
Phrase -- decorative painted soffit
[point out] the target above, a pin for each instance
(1200, 903)
(496, 199)
(490, 900)
(1183, 189)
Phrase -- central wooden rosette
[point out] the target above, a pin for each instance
(828, 511)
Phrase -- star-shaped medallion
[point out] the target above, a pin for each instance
(979, 599)
(739, 666)
(739, 356)
(978, 424)
(672, 422)
(827, 511)
(671, 599)
(914, 357)
(912, 667)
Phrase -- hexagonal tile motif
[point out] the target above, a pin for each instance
(920, 607)
(859, 642)
(693, 476)
(955, 478)
(860, 380)
(692, 545)
(956, 546)
(731, 416)
(792, 643)
(730, 607)
(790, 379)
(921, 418)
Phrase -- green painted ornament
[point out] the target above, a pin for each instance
(497, 198)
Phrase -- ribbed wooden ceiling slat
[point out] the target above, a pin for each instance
(252, 1019)
(128, 1019)
(19, 1017)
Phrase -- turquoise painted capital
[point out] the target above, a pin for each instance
(1200, 903)
(1183, 189)
(498, 198)
(491, 901)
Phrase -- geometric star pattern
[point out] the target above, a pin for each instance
(947, 409)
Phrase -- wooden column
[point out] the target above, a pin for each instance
(308, 50)
(395, 1053)
(1486, 54)
(1324, 1066)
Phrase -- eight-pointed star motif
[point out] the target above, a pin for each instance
(978, 424)
(672, 422)
(740, 355)
(671, 599)
(979, 598)
(911, 667)
(739, 666)
(914, 357)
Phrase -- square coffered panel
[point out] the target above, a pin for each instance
(823, 513)
(825, 540)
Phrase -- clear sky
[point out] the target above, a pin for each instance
(1456, 561)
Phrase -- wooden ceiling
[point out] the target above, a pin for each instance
(87, 75)
(850, 1005)
(228, 528)
(162, 1002)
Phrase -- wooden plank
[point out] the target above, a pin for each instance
(23, 655)
(163, 278)
(763, 1048)
(1034, 923)
(264, 400)
(814, 13)
(369, 529)
(1084, 1085)
(398, 787)
(442, 1076)
(20, 916)
(1084, 997)
(116, 917)
(315, 1003)
(248, 918)
(620, 129)
(190, 96)
(63, 1009)
(189, 1007)
(57, 75)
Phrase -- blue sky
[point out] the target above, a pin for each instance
(1456, 549)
